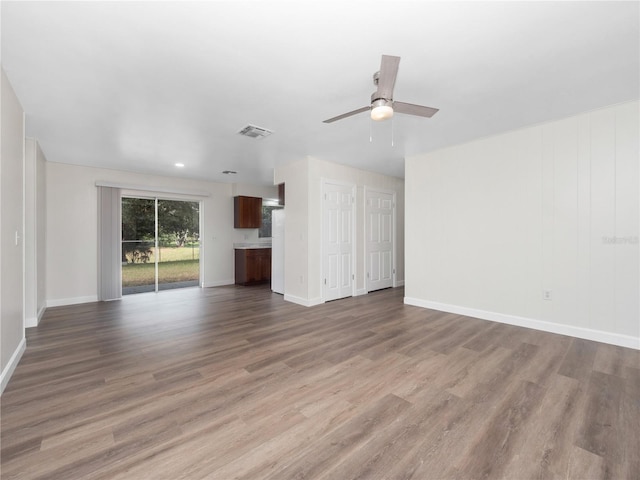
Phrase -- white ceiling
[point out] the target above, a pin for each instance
(140, 86)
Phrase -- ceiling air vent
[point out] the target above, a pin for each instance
(255, 132)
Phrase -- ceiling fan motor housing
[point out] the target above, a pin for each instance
(380, 102)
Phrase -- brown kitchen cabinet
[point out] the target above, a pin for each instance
(253, 265)
(247, 212)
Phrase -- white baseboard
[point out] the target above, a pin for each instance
(34, 321)
(30, 322)
(13, 363)
(399, 283)
(303, 301)
(60, 302)
(218, 283)
(362, 291)
(559, 328)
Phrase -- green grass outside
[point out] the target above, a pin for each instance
(137, 274)
(171, 254)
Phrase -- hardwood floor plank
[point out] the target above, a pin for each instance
(579, 359)
(548, 445)
(603, 420)
(630, 419)
(504, 434)
(234, 382)
(383, 451)
(313, 462)
(586, 466)
(274, 454)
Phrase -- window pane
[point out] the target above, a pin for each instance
(138, 241)
(178, 244)
(265, 229)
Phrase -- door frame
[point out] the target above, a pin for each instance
(354, 222)
(394, 247)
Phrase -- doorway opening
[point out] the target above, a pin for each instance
(160, 244)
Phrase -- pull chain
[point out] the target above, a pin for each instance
(371, 130)
(392, 131)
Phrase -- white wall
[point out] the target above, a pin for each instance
(295, 176)
(34, 232)
(303, 226)
(72, 228)
(12, 339)
(493, 223)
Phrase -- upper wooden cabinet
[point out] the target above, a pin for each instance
(247, 212)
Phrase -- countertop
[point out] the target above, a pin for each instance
(248, 246)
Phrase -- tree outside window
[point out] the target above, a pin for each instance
(265, 229)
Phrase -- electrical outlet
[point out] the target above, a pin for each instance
(546, 294)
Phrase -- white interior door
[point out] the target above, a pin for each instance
(379, 239)
(338, 245)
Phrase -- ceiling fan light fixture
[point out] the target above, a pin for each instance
(381, 109)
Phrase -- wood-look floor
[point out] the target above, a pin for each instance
(233, 382)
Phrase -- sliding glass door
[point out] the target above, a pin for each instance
(178, 244)
(138, 245)
(160, 244)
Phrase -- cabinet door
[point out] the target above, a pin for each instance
(265, 264)
(256, 212)
(252, 267)
(247, 212)
(241, 267)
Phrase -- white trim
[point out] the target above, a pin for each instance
(362, 291)
(30, 322)
(147, 188)
(398, 283)
(12, 364)
(30, 223)
(201, 239)
(61, 302)
(41, 313)
(559, 328)
(218, 283)
(303, 301)
(23, 245)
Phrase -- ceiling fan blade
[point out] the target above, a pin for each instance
(345, 115)
(412, 109)
(387, 78)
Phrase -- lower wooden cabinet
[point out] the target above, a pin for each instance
(253, 265)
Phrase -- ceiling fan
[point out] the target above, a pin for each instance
(382, 103)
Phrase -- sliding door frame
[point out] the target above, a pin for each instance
(150, 195)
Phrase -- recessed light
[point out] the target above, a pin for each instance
(179, 165)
